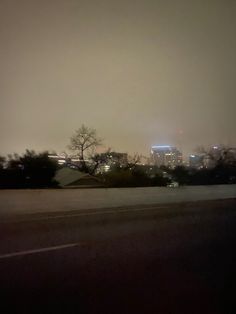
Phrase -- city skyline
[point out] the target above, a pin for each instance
(140, 73)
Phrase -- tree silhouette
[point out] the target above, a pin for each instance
(31, 170)
(84, 142)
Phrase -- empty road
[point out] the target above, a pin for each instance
(172, 258)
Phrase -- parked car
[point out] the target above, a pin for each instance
(173, 184)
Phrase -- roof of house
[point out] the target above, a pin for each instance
(71, 177)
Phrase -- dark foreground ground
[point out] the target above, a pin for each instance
(163, 259)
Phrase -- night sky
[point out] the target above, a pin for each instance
(140, 72)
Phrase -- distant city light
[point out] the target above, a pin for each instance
(161, 146)
(166, 155)
(106, 168)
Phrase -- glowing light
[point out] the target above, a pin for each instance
(161, 146)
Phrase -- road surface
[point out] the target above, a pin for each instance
(175, 258)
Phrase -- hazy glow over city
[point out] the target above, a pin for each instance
(142, 73)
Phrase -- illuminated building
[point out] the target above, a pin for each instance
(196, 161)
(166, 155)
(112, 159)
(60, 159)
(64, 159)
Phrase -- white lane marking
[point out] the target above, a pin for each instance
(45, 249)
(116, 211)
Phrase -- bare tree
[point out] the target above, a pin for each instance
(133, 160)
(2, 162)
(218, 155)
(84, 142)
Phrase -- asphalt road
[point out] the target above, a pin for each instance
(176, 258)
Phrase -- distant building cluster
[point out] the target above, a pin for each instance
(196, 161)
(64, 159)
(111, 159)
(106, 160)
(209, 158)
(166, 155)
(161, 155)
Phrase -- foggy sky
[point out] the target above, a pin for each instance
(139, 72)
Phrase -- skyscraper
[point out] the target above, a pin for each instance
(166, 155)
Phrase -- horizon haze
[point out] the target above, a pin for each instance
(141, 73)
